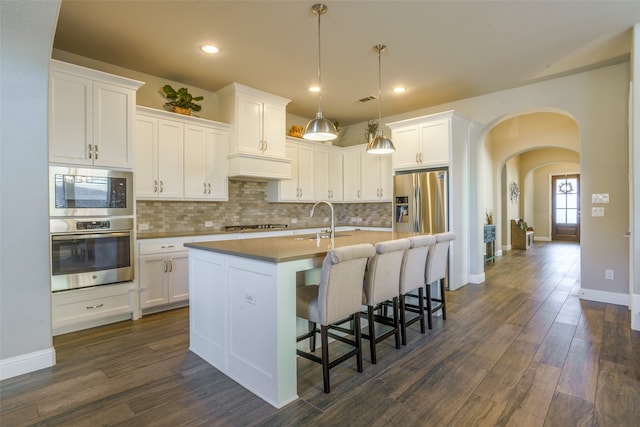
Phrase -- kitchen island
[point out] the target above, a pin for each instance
(243, 305)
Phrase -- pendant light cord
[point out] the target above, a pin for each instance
(380, 48)
(319, 11)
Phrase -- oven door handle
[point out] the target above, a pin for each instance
(60, 237)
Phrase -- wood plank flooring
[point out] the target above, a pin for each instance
(518, 350)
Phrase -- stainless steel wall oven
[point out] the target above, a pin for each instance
(91, 251)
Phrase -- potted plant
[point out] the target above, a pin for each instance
(372, 128)
(181, 100)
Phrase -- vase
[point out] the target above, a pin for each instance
(180, 110)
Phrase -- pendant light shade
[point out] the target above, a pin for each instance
(319, 129)
(380, 144)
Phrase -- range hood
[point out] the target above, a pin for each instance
(251, 167)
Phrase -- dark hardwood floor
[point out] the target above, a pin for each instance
(518, 350)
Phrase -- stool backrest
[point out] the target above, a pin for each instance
(438, 256)
(382, 279)
(340, 287)
(414, 263)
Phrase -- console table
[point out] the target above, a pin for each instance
(490, 242)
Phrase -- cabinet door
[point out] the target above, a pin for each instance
(370, 170)
(306, 169)
(195, 163)
(70, 118)
(434, 143)
(351, 177)
(407, 143)
(153, 280)
(248, 129)
(289, 190)
(274, 129)
(386, 177)
(321, 174)
(216, 150)
(335, 176)
(170, 166)
(146, 170)
(112, 127)
(178, 276)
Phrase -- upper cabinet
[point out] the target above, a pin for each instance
(257, 146)
(427, 141)
(91, 117)
(328, 173)
(367, 177)
(300, 188)
(180, 157)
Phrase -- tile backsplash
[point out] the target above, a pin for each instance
(248, 204)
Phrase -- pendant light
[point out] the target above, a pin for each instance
(319, 129)
(380, 144)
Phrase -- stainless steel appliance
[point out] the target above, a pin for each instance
(90, 251)
(75, 191)
(421, 201)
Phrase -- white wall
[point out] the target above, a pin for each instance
(26, 31)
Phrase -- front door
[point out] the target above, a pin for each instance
(566, 208)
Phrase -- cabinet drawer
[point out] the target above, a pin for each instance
(85, 306)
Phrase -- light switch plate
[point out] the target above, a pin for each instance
(597, 211)
(600, 198)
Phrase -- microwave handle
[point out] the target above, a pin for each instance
(60, 237)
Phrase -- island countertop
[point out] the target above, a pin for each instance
(297, 247)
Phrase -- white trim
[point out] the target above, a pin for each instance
(477, 279)
(603, 296)
(25, 363)
(541, 238)
(635, 312)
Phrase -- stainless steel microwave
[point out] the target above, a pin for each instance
(84, 192)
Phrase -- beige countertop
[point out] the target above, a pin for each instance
(291, 248)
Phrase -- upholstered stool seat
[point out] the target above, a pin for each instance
(382, 283)
(335, 300)
(413, 277)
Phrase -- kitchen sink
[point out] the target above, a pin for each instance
(322, 236)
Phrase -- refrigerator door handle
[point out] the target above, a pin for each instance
(417, 202)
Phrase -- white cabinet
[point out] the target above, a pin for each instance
(164, 273)
(84, 308)
(300, 187)
(328, 174)
(367, 177)
(159, 164)
(423, 142)
(91, 117)
(257, 146)
(205, 163)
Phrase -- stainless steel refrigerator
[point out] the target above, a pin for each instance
(421, 202)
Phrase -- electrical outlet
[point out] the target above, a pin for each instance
(608, 274)
(358, 220)
(143, 226)
(208, 223)
(326, 219)
(294, 220)
(599, 211)
(353, 219)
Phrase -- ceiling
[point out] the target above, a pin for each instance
(441, 51)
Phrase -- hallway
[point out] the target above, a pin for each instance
(518, 350)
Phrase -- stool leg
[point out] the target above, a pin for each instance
(443, 303)
(324, 338)
(312, 338)
(429, 317)
(372, 334)
(395, 321)
(421, 306)
(358, 340)
(403, 319)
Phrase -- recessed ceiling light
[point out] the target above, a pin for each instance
(314, 89)
(399, 89)
(209, 48)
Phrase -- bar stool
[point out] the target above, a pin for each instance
(437, 266)
(335, 300)
(381, 284)
(412, 277)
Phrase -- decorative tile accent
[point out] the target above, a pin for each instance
(248, 204)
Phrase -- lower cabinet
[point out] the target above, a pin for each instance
(84, 308)
(164, 276)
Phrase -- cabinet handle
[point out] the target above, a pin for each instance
(420, 157)
(209, 184)
(90, 307)
(204, 190)
(358, 194)
(266, 145)
(164, 266)
(417, 157)
(161, 186)
(95, 151)
(90, 151)
(155, 185)
(170, 263)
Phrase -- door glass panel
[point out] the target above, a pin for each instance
(572, 216)
(561, 201)
(561, 216)
(572, 201)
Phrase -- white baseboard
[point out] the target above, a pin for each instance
(603, 296)
(25, 363)
(635, 311)
(476, 279)
(541, 238)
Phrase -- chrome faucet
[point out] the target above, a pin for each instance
(333, 222)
